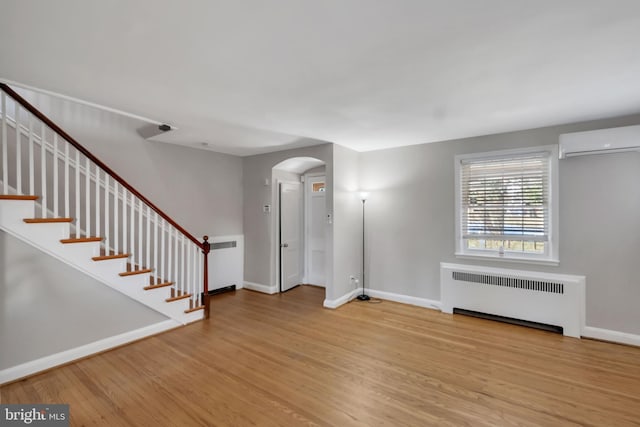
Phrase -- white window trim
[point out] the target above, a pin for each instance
(551, 258)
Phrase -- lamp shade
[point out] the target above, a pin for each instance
(364, 195)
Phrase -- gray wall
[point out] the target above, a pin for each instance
(284, 176)
(411, 219)
(318, 170)
(347, 221)
(259, 261)
(201, 190)
(47, 306)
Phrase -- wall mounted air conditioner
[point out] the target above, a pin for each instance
(602, 141)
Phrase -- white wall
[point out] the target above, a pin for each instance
(47, 307)
(411, 219)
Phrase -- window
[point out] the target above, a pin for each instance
(318, 187)
(506, 205)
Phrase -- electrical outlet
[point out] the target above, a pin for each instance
(354, 281)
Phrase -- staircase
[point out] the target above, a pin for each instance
(61, 199)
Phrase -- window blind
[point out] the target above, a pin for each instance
(506, 198)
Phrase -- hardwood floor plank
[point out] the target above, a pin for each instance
(283, 360)
(365, 368)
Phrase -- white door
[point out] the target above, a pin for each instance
(290, 235)
(315, 227)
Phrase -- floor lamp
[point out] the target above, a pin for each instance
(363, 196)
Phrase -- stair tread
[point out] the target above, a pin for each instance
(108, 257)
(179, 297)
(17, 197)
(131, 273)
(46, 220)
(81, 240)
(200, 307)
(159, 285)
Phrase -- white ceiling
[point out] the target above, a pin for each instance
(259, 76)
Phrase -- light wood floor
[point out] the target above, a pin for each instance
(283, 360)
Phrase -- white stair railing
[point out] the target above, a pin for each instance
(39, 159)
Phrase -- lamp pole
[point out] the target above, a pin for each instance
(363, 296)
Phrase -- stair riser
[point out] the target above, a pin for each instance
(193, 316)
(39, 235)
(12, 215)
(80, 250)
(177, 309)
(159, 295)
(14, 211)
(119, 264)
(140, 280)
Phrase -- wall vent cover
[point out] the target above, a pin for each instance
(224, 245)
(509, 282)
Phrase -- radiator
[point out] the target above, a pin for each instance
(226, 262)
(552, 299)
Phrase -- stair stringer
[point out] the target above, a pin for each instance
(46, 237)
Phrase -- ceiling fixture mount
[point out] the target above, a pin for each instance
(152, 130)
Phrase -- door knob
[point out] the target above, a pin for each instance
(284, 245)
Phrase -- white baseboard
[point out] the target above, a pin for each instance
(261, 288)
(404, 299)
(389, 296)
(335, 303)
(47, 362)
(609, 335)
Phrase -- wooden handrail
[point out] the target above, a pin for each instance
(33, 110)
